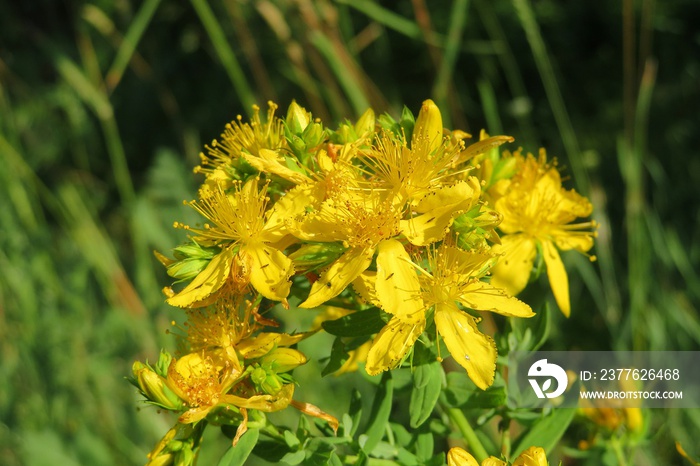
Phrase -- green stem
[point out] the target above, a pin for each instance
(505, 441)
(459, 419)
(617, 448)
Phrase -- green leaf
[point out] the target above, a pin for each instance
(355, 410)
(462, 393)
(381, 408)
(427, 384)
(236, 456)
(437, 460)
(338, 357)
(294, 458)
(546, 432)
(425, 445)
(291, 440)
(271, 451)
(357, 324)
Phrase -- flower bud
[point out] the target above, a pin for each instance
(267, 380)
(459, 457)
(283, 359)
(297, 118)
(153, 387)
(315, 255)
(428, 125)
(365, 124)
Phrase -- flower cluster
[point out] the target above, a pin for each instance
(533, 456)
(404, 216)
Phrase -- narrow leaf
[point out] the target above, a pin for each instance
(236, 456)
(546, 432)
(356, 324)
(427, 384)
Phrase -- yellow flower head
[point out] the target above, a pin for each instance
(538, 211)
(241, 138)
(453, 277)
(200, 379)
(244, 228)
(221, 326)
(533, 456)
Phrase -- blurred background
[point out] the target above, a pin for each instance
(105, 105)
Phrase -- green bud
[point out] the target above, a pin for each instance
(312, 256)
(266, 380)
(154, 389)
(297, 118)
(366, 123)
(187, 268)
(313, 135)
(194, 251)
(283, 359)
(164, 360)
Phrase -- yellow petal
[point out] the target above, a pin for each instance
(335, 278)
(432, 226)
(293, 203)
(354, 357)
(260, 345)
(471, 349)
(558, 279)
(493, 461)
(265, 403)
(481, 296)
(391, 345)
(270, 271)
(318, 226)
(208, 281)
(533, 456)
(428, 125)
(269, 162)
(364, 286)
(484, 145)
(459, 457)
(512, 272)
(397, 285)
(194, 414)
(579, 241)
(468, 190)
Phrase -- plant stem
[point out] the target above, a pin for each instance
(617, 448)
(459, 419)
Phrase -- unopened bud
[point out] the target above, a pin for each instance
(429, 125)
(283, 359)
(154, 389)
(297, 118)
(365, 124)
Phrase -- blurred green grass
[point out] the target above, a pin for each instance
(105, 105)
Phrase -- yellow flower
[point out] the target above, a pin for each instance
(533, 456)
(240, 140)
(410, 173)
(201, 380)
(538, 212)
(362, 222)
(459, 457)
(246, 232)
(454, 277)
